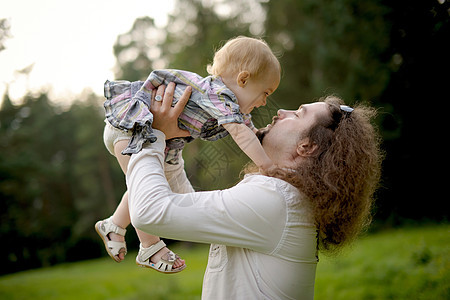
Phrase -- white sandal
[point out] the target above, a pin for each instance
(163, 266)
(104, 228)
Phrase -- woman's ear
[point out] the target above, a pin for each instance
(243, 78)
(306, 148)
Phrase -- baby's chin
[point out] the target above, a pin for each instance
(246, 111)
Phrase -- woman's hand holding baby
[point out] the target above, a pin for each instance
(165, 116)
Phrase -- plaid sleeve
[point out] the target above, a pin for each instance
(221, 103)
(222, 108)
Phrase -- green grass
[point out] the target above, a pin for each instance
(409, 263)
(105, 279)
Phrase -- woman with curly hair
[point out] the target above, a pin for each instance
(266, 231)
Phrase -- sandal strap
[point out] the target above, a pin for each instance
(115, 247)
(146, 253)
(111, 227)
(163, 266)
(166, 265)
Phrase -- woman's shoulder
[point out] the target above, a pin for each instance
(296, 202)
(282, 193)
(271, 182)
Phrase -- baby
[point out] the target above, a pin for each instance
(243, 74)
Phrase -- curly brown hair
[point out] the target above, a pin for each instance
(339, 180)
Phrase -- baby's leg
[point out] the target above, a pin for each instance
(121, 216)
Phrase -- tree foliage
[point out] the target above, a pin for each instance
(56, 180)
(330, 47)
(136, 50)
(4, 32)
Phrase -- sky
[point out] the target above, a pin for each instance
(69, 44)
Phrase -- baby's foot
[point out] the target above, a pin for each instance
(164, 254)
(113, 238)
(160, 258)
(118, 238)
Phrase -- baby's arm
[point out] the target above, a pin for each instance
(248, 142)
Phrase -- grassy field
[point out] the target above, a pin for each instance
(409, 263)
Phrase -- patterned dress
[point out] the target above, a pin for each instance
(211, 104)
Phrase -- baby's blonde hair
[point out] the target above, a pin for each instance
(244, 54)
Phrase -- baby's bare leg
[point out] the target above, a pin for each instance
(121, 216)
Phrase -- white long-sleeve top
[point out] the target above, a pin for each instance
(263, 240)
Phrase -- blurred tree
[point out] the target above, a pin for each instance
(418, 57)
(56, 180)
(4, 32)
(136, 49)
(329, 47)
(33, 184)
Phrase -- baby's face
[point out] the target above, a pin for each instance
(256, 91)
